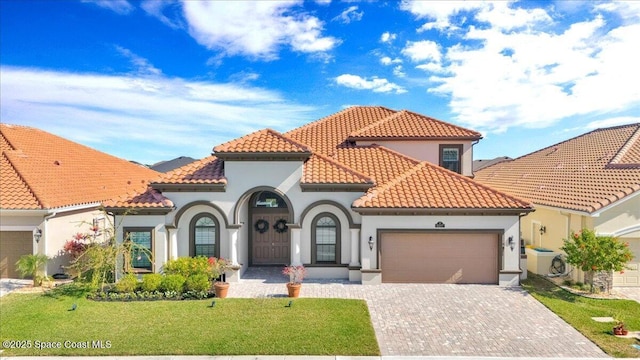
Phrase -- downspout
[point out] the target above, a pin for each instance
(473, 143)
(46, 235)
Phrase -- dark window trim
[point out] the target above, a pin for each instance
(150, 230)
(460, 147)
(314, 224)
(192, 233)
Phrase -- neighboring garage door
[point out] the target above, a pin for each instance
(631, 275)
(13, 244)
(415, 257)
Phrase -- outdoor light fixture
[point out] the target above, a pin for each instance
(370, 242)
(543, 229)
(37, 234)
(512, 243)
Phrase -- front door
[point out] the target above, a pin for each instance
(271, 244)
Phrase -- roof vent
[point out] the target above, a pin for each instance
(57, 163)
(552, 151)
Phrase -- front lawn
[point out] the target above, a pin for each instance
(578, 311)
(231, 327)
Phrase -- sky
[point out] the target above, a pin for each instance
(153, 80)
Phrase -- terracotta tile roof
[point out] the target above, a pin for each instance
(328, 133)
(263, 141)
(378, 162)
(43, 171)
(148, 199)
(585, 173)
(409, 125)
(323, 170)
(427, 186)
(209, 170)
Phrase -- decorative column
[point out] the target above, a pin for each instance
(296, 253)
(355, 248)
(233, 244)
(173, 243)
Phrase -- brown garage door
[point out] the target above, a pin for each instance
(464, 258)
(13, 244)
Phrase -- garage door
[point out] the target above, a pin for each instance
(13, 244)
(631, 276)
(464, 258)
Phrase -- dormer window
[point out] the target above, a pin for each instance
(451, 157)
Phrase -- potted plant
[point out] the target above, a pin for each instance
(296, 275)
(619, 329)
(30, 265)
(218, 268)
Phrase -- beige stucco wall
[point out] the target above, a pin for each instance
(429, 151)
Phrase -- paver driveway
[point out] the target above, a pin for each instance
(444, 320)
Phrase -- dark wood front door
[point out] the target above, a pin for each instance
(270, 247)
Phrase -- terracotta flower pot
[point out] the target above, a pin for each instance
(221, 289)
(294, 289)
(620, 331)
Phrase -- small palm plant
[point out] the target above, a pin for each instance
(31, 265)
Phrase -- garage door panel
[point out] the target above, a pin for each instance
(631, 275)
(439, 258)
(13, 244)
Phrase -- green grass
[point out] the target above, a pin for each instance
(578, 310)
(232, 327)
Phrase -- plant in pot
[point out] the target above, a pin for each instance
(296, 275)
(31, 265)
(218, 268)
(620, 329)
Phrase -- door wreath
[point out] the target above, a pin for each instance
(281, 226)
(261, 226)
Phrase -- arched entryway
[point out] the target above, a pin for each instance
(269, 235)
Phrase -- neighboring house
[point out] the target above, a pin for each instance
(49, 188)
(367, 194)
(591, 181)
(483, 163)
(166, 166)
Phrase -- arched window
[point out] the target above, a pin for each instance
(325, 239)
(204, 236)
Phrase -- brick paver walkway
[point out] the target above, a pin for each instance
(443, 320)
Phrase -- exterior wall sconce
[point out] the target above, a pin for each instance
(37, 234)
(512, 243)
(371, 243)
(543, 230)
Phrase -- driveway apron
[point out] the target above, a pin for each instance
(443, 319)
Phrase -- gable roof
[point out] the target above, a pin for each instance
(332, 162)
(35, 165)
(407, 125)
(585, 173)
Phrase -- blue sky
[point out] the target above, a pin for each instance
(153, 80)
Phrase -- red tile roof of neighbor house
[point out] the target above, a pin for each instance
(336, 160)
(585, 173)
(40, 170)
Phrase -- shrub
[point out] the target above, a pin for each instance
(172, 283)
(187, 266)
(567, 283)
(151, 282)
(128, 283)
(197, 283)
(31, 265)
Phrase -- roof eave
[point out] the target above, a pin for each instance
(316, 187)
(139, 211)
(214, 187)
(439, 211)
(412, 138)
(263, 156)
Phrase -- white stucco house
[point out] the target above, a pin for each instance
(367, 194)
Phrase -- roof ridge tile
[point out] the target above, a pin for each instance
(354, 172)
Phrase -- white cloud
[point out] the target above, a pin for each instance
(387, 37)
(157, 9)
(439, 11)
(500, 15)
(375, 84)
(255, 29)
(349, 14)
(122, 7)
(422, 50)
(385, 60)
(323, 2)
(153, 117)
(399, 71)
(615, 121)
(142, 65)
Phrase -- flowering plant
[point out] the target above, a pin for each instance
(218, 267)
(296, 273)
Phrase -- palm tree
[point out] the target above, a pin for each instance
(30, 265)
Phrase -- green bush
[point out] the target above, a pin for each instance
(198, 283)
(128, 283)
(151, 282)
(188, 266)
(172, 283)
(567, 283)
